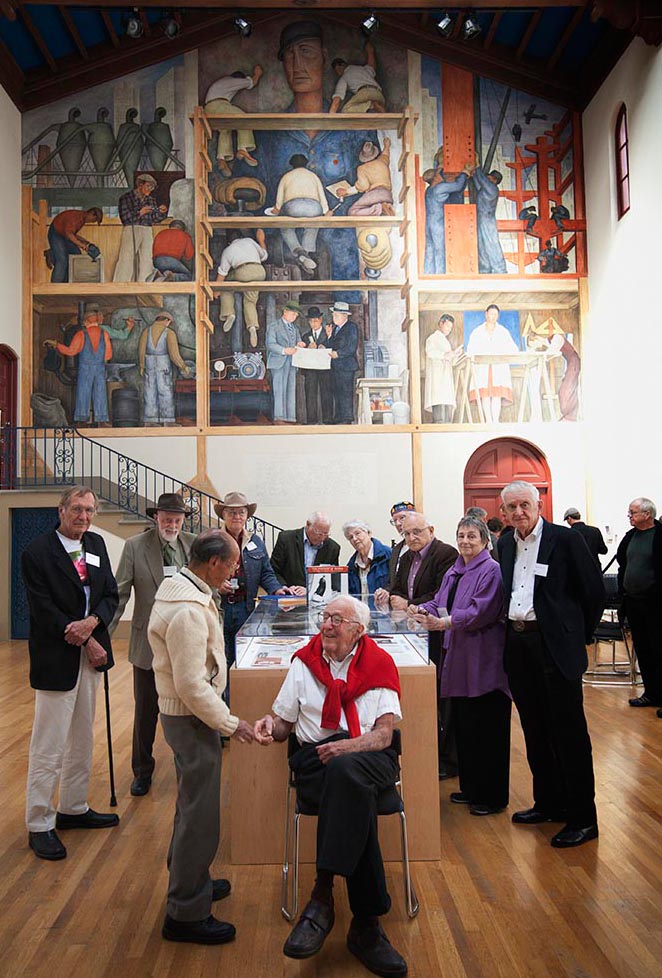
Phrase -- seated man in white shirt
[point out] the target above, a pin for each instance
(341, 696)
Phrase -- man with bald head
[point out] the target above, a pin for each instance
(639, 557)
(423, 566)
(554, 595)
(341, 699)
(308, 546)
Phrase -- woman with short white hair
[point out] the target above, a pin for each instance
(368, 566)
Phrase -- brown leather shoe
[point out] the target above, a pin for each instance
(368, 942)
(310, 931)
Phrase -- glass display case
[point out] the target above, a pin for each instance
(280, 626)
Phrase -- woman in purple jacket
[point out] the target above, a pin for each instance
(468, 608)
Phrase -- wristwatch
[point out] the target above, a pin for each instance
(98, 620)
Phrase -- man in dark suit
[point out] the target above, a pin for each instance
(146, 559)
(306, 547)
(423, 566)
(398, 513)
(344, 343)
(72, 596)
(317, 383)
(591, 534)
(554, 595)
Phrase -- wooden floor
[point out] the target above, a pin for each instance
(501, 903)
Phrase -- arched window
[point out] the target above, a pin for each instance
(622, 162)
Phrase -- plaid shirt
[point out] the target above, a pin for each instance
(132, 203)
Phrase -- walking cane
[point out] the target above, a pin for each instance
(109, 736)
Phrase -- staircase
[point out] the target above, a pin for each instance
(49, 459)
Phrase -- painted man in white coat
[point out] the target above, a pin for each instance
(439, 380)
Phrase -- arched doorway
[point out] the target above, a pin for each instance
(8, 411)
(498, 462)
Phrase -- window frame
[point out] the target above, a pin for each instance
(622, 150)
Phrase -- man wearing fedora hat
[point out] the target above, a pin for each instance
(146, 559)
(317, 383)
(344, 363)
(254, 570)
(138, 210)
(281, 342)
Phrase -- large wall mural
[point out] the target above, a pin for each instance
(313, 252)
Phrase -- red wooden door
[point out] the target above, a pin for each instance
(498, 462)
(8, 412)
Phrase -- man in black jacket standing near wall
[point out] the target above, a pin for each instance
(554, 596)
(72, 596)
(592, 534)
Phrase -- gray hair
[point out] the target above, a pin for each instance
(521, 488)
(355, 525)
(73, 491)
(211, 543)
(476, 524)
(646, 505)
(361, 610)
(317, 517)
(477, 511)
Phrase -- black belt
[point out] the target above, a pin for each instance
(235, 598)
(523, 626)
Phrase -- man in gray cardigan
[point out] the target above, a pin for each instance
(146, 559)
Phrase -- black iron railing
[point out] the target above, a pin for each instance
(39, 458)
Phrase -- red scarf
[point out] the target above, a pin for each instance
(371, 668)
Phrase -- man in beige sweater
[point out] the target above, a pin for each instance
(189, 667)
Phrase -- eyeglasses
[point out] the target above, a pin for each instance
(323, 618)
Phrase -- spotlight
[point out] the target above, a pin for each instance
(370, 24)
(445, 24)
(171, 25)
(133, 26)
(242, 26)
(471, 27)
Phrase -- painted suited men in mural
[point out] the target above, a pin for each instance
(158, 352)
(317, 383)
(282, 341)
(344, 363)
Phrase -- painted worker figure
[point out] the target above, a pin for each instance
(373, 182)
(218, 101)
(64, 239)
(301, 194)
(242, 260)
(158, 352)
(138, 211)
(439, 191)
(360, 82)
(171, 251)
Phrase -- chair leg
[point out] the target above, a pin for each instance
(289, 900)
(411, 901)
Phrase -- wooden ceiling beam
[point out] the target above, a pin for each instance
(73, 30)
(611, 47)
(146, 25)
(494, 26)
(108, 62)
(363, 5)
(38, 39)
(12, 78)
(112, 33)
(8, 9)
(534, 20)
(573, 24)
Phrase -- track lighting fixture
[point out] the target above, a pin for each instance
(445, 24)
(471, 26)
(370, 24)
(133, 25)
(243, 26)
(171, 24)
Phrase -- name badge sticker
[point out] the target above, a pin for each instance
(540, 570)
(92, 559)
(170, 571)
(251, 546)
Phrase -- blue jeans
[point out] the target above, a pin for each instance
(61, 249)
(164, 263)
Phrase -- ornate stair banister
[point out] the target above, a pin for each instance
(35, 458)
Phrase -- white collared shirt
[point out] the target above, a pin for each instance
(301, 698)
(309, 551)
(524, 574)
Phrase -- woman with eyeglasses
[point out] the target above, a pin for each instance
(468, 609)
(368, 565)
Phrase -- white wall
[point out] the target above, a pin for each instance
(10, 208)
(622, 372)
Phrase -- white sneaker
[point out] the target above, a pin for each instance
(228, 323)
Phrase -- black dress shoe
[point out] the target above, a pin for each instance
(140, 786)
(447, 772)
(371, 946)
(310, 931)
(569, 837)
(220, 889)
(46, 845)
(209, 931)
(88, 820)
(485, 809)
(659, 713)
(642, 700)
(533, 816)
(459, 798)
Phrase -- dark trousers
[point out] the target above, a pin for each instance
(343, 396)
(319, 396)
(643, 615)
(145, 716)
(482, 728)
(446, 746)
(195, 834)
(558, 746)
(234, 616)
(345, 793)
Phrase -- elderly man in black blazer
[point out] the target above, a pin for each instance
(72, 596)
(591, 534)
(308, 546)
(423, 566)
(554, 595)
